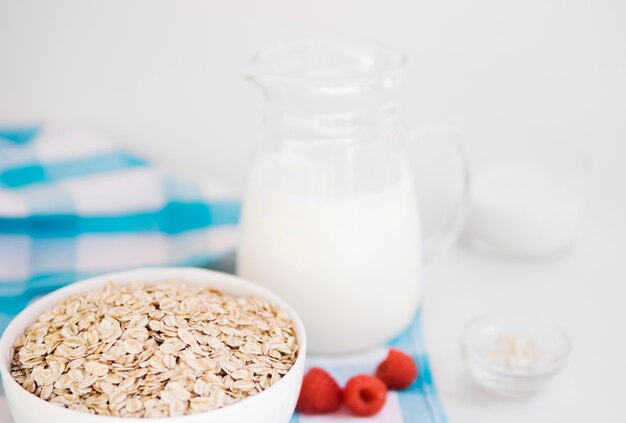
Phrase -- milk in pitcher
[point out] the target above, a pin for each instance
(349, 263)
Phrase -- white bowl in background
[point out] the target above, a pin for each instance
(274, 405)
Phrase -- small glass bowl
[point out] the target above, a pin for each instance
(514, 372)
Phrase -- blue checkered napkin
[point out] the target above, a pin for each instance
(72, 204)
(418, 404)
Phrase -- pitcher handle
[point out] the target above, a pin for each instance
(449, 231)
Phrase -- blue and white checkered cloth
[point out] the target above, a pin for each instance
(74, 205)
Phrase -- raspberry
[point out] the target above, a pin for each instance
(398, 370)
(365, 395)
(319, 393)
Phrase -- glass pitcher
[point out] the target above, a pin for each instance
(330, 218)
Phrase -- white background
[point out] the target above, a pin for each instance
(165, 76)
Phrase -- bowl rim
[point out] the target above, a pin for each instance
(555, 364)
(95, 282)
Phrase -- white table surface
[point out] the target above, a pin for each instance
(584, 291)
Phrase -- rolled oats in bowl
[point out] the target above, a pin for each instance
(154, 350)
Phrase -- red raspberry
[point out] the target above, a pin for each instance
(319, 393)
(365, 395)
(398, 370)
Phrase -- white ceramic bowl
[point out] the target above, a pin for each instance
(274, 405)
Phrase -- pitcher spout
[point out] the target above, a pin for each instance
(330, 90)
(319, 62)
